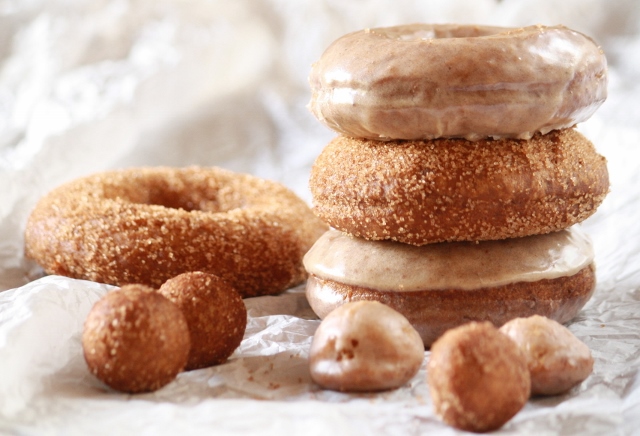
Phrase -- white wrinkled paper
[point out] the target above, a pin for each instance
(110, 84)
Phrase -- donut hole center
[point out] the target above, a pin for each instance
(188, 192)
(421, 32)
(214, 202)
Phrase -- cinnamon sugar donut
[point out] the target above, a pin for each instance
(421, 192)
(441, 286)
(146, 225)
(425, 81)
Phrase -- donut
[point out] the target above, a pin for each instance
(135, 340)
(421, 192)
(441, 286)
(215, 314)
(365, 346)
(425, 81)
(556, 358)
(478, 378)
(147, 225)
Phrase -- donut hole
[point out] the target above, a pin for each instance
(195, 197)
(423, 32)
(185, 193)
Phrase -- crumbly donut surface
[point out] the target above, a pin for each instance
(424, 81)
(478, 378)
(432, 312)
(135, 340)
(146, 225)
(215, 314)
(420, 192)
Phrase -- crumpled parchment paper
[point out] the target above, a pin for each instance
(90, 85)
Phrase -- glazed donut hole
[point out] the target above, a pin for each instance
(556, 358)
(135, 340)
(365, 346)
(478, 378)
(215, 314)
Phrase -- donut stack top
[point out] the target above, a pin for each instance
(457, 133)
(429, 81)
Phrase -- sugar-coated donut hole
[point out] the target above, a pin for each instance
(478, 378)
(215, 314)
(135, 340)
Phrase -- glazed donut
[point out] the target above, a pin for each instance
(421, 192)
(441, 286)
(425, 81)
(147, 225)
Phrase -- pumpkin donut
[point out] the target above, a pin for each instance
(147, 225)
(421, 192)
(425, 81)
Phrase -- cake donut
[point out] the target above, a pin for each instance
(441, 286)
(135, 340)
(556, 358)
(215, 314)
(147, 225)
(364, 346)
(478, 378)
(425, 81)
(421, 192)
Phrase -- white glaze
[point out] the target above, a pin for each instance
(425, 81)
(392, 266)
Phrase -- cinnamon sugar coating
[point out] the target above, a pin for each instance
(432, 312)
(215, 314)
(425, 81)
(135, 340)
(478, 378)
(420, 192)
(146, 225)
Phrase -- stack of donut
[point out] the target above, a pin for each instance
(457, 182)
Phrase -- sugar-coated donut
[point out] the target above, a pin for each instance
(556, 358)
(440, 286)
(425, 81)
(135, 340)
(147, 225)
(365, 346)
(215, 314)
(478, 378)
(421, 192)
